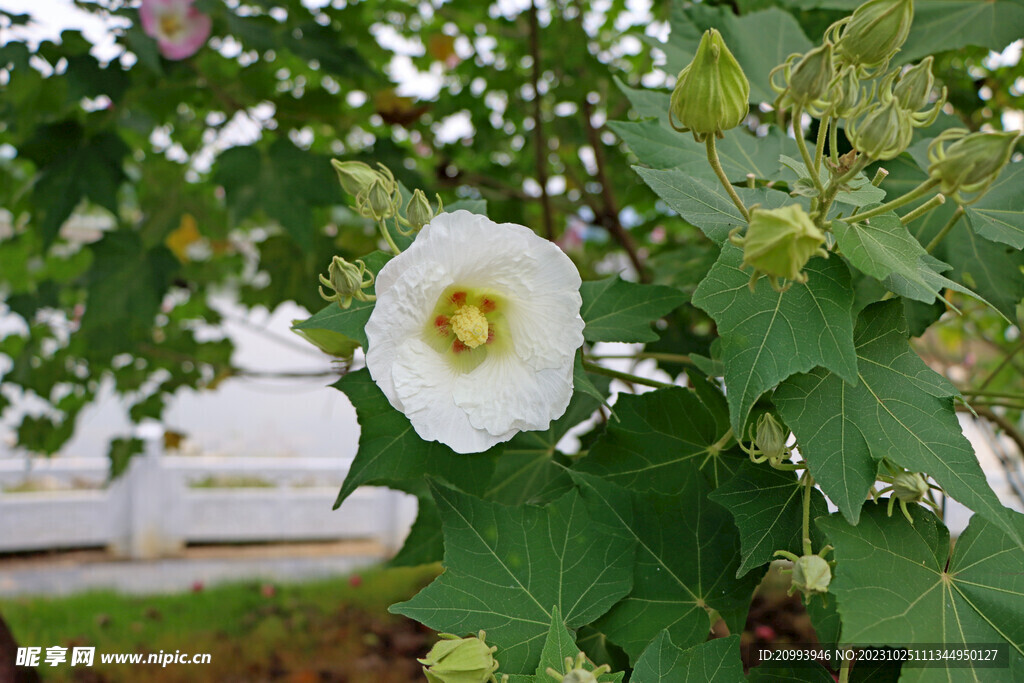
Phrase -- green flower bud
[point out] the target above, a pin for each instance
(883, 132)
(575, 672)
(460, 660)
(809, 80)
(355, 176)
(418, 213)
(846, 94)
(378, 202)
(347, 281)
(909, 487)
(770, 438)
(875, 32)
(971, 163)
(711, 94)
(811, 574)
(915, 86)
(779, 242)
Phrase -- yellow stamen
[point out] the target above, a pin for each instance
(470, 326)
(171, 25)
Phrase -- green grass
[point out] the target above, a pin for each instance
(241, 624)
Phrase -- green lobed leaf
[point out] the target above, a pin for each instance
(687, 555)
(768, 336)
(619, 311)
(999, 215)
(860, 193)
(425, 543)
(662, 437)
(391, 453)
(995, 271)
(506, 567)
(899, 583)
(767, 506)
(886, 251)
(715, 660)
(704, 203)
(349, 322)
(900, 410)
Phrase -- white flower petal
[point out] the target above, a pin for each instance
(505, 394)
(525, 384)
(423, 381)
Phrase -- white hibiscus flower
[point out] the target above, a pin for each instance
(475, 330)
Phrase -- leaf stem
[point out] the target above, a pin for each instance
(844, 671)
(798, 133)
(819, 148)
(590, 366)
(667, 357)
(935, 202)
(808, 487)
(833, 142)
(918, 191)
(995, 394)
(945, 229)
(880, 175)
(717, 166)
(1007, 359)
(386, 234)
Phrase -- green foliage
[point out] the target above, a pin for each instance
(508, 569)
(620, 311)
(715, 660)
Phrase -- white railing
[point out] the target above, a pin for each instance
(152, 511)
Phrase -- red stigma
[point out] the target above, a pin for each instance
(487, 305)
(459, 298)
(459, 347)
(490, 335)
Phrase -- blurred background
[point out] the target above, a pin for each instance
(169, 451)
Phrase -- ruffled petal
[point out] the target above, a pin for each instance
(423, 382)
(188, 41)
(506, 395)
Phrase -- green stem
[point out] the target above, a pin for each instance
(667, 357)
(833, 142)
(798, 133)
(945, 229)
(717, 165)
(844, 671)
(880, 175)
(717, 446)
(935, 202)
(833, 188)
(624, 376)
(819, 148)
(808, 487)
(386, 234)
(918, 191)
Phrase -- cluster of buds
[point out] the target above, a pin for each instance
(872, 35)
(808, 80)
(375, 191)
(779, 243)
(576, 671)
(969, 162)
(768, 443)
(347, 282)
(712, 93)
(907, 488)
(454, 659)
(811, 573)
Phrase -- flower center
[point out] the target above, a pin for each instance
(470, 326)
(466, 325)
(171, 25)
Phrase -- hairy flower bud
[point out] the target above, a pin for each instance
(779, 242)
(575, 672)
(378, 202)
(882, 132)
(971, 163)
(460, 660)
(875, 32)
(419, 213)
(811, 574)
(846, 95)
(914, 88)
(347, 281)
(809, 80)
(355, 176)
(711, 93)
(770, 438)
(909, 487)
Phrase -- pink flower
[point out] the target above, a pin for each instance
(179, 28)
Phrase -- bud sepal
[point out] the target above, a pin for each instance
(811, 574)
(347, 282)
(779, 243)
(576, 671)
(970, 163)
(712, 93)
(454, 659)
